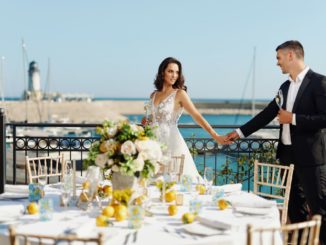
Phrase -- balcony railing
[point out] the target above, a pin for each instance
(232, 163)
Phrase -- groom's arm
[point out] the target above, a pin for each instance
(259, 121)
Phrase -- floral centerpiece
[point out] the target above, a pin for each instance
(125, 149)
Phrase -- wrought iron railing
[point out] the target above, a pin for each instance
(232, 163)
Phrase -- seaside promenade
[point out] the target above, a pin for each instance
(97, 111)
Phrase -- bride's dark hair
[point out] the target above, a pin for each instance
(158, 82)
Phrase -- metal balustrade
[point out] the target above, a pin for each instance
(232, 163)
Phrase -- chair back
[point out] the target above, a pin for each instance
(273, 181)
(17, 238)
(303, 233)
(55, 167)
(177, 165)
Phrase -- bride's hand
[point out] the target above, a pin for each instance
(221, 139)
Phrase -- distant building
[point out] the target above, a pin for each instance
(34, 83)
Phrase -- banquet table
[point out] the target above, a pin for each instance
(160, 228)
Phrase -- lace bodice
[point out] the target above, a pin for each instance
(166, 112)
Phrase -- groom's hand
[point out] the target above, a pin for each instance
(231, 137)
(285, 117)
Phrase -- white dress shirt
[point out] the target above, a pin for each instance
(291, 96)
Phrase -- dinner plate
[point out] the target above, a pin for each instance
(253, 211)
(197, 228)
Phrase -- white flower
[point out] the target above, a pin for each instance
(128, 148)
(134, 127)
(111, 131)
(149, 149)
(139, 163)
(115, 168)
(110, 162)
(101, 160)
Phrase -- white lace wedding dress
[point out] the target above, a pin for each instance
(166, 116)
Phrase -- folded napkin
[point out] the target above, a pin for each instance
(213, 223)
(10, 210)
(21, 189)
(254, 202)
(253, 211)
(229, 188)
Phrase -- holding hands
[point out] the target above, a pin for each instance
(226, 139)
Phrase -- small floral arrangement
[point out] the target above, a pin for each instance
(126, 148)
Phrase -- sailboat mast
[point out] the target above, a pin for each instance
(253, 102)
(2, 81)
(25, 61)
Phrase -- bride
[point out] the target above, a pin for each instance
(166, 105)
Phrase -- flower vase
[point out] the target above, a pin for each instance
(122, 182)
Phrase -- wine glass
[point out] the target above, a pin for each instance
(42, 174)
(208, 177)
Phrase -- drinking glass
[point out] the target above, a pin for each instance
(65, 196)
(208, 177)
(42, 172)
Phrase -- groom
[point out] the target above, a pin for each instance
(302, 139)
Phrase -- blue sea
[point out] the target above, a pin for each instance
(219, 119)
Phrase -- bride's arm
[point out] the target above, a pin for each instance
(184, 100)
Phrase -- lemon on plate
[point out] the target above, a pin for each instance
(222, 204)
(101, 221)
(173, 210)
(32, 208)
(188, 218)
(170, 196)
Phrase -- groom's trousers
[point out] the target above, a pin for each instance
(308, 191)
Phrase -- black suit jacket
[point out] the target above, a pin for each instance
(308, 136)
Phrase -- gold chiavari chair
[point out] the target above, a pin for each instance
(55, 167)
(17, 238)
(303, 233)
(273, 181)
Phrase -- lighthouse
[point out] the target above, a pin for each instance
(34, 82)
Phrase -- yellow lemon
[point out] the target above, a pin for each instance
(120, 213)
(188, 218)
(32, 208)
(170, 196)
(222, 204)
(107, 190)
(173, 210)
(108, 211)
(201, 189)
(101, 220)
(85, 185)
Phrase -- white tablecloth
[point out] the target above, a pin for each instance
(159, 229)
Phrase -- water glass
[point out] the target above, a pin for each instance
(65, 197)
(42, 174)
(195, 206)
(208, 178)
(185, 183)
(46, 209)
(217, 193)
(136, 216)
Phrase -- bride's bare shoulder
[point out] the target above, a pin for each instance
(152, 94)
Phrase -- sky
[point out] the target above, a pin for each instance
(113, 48)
